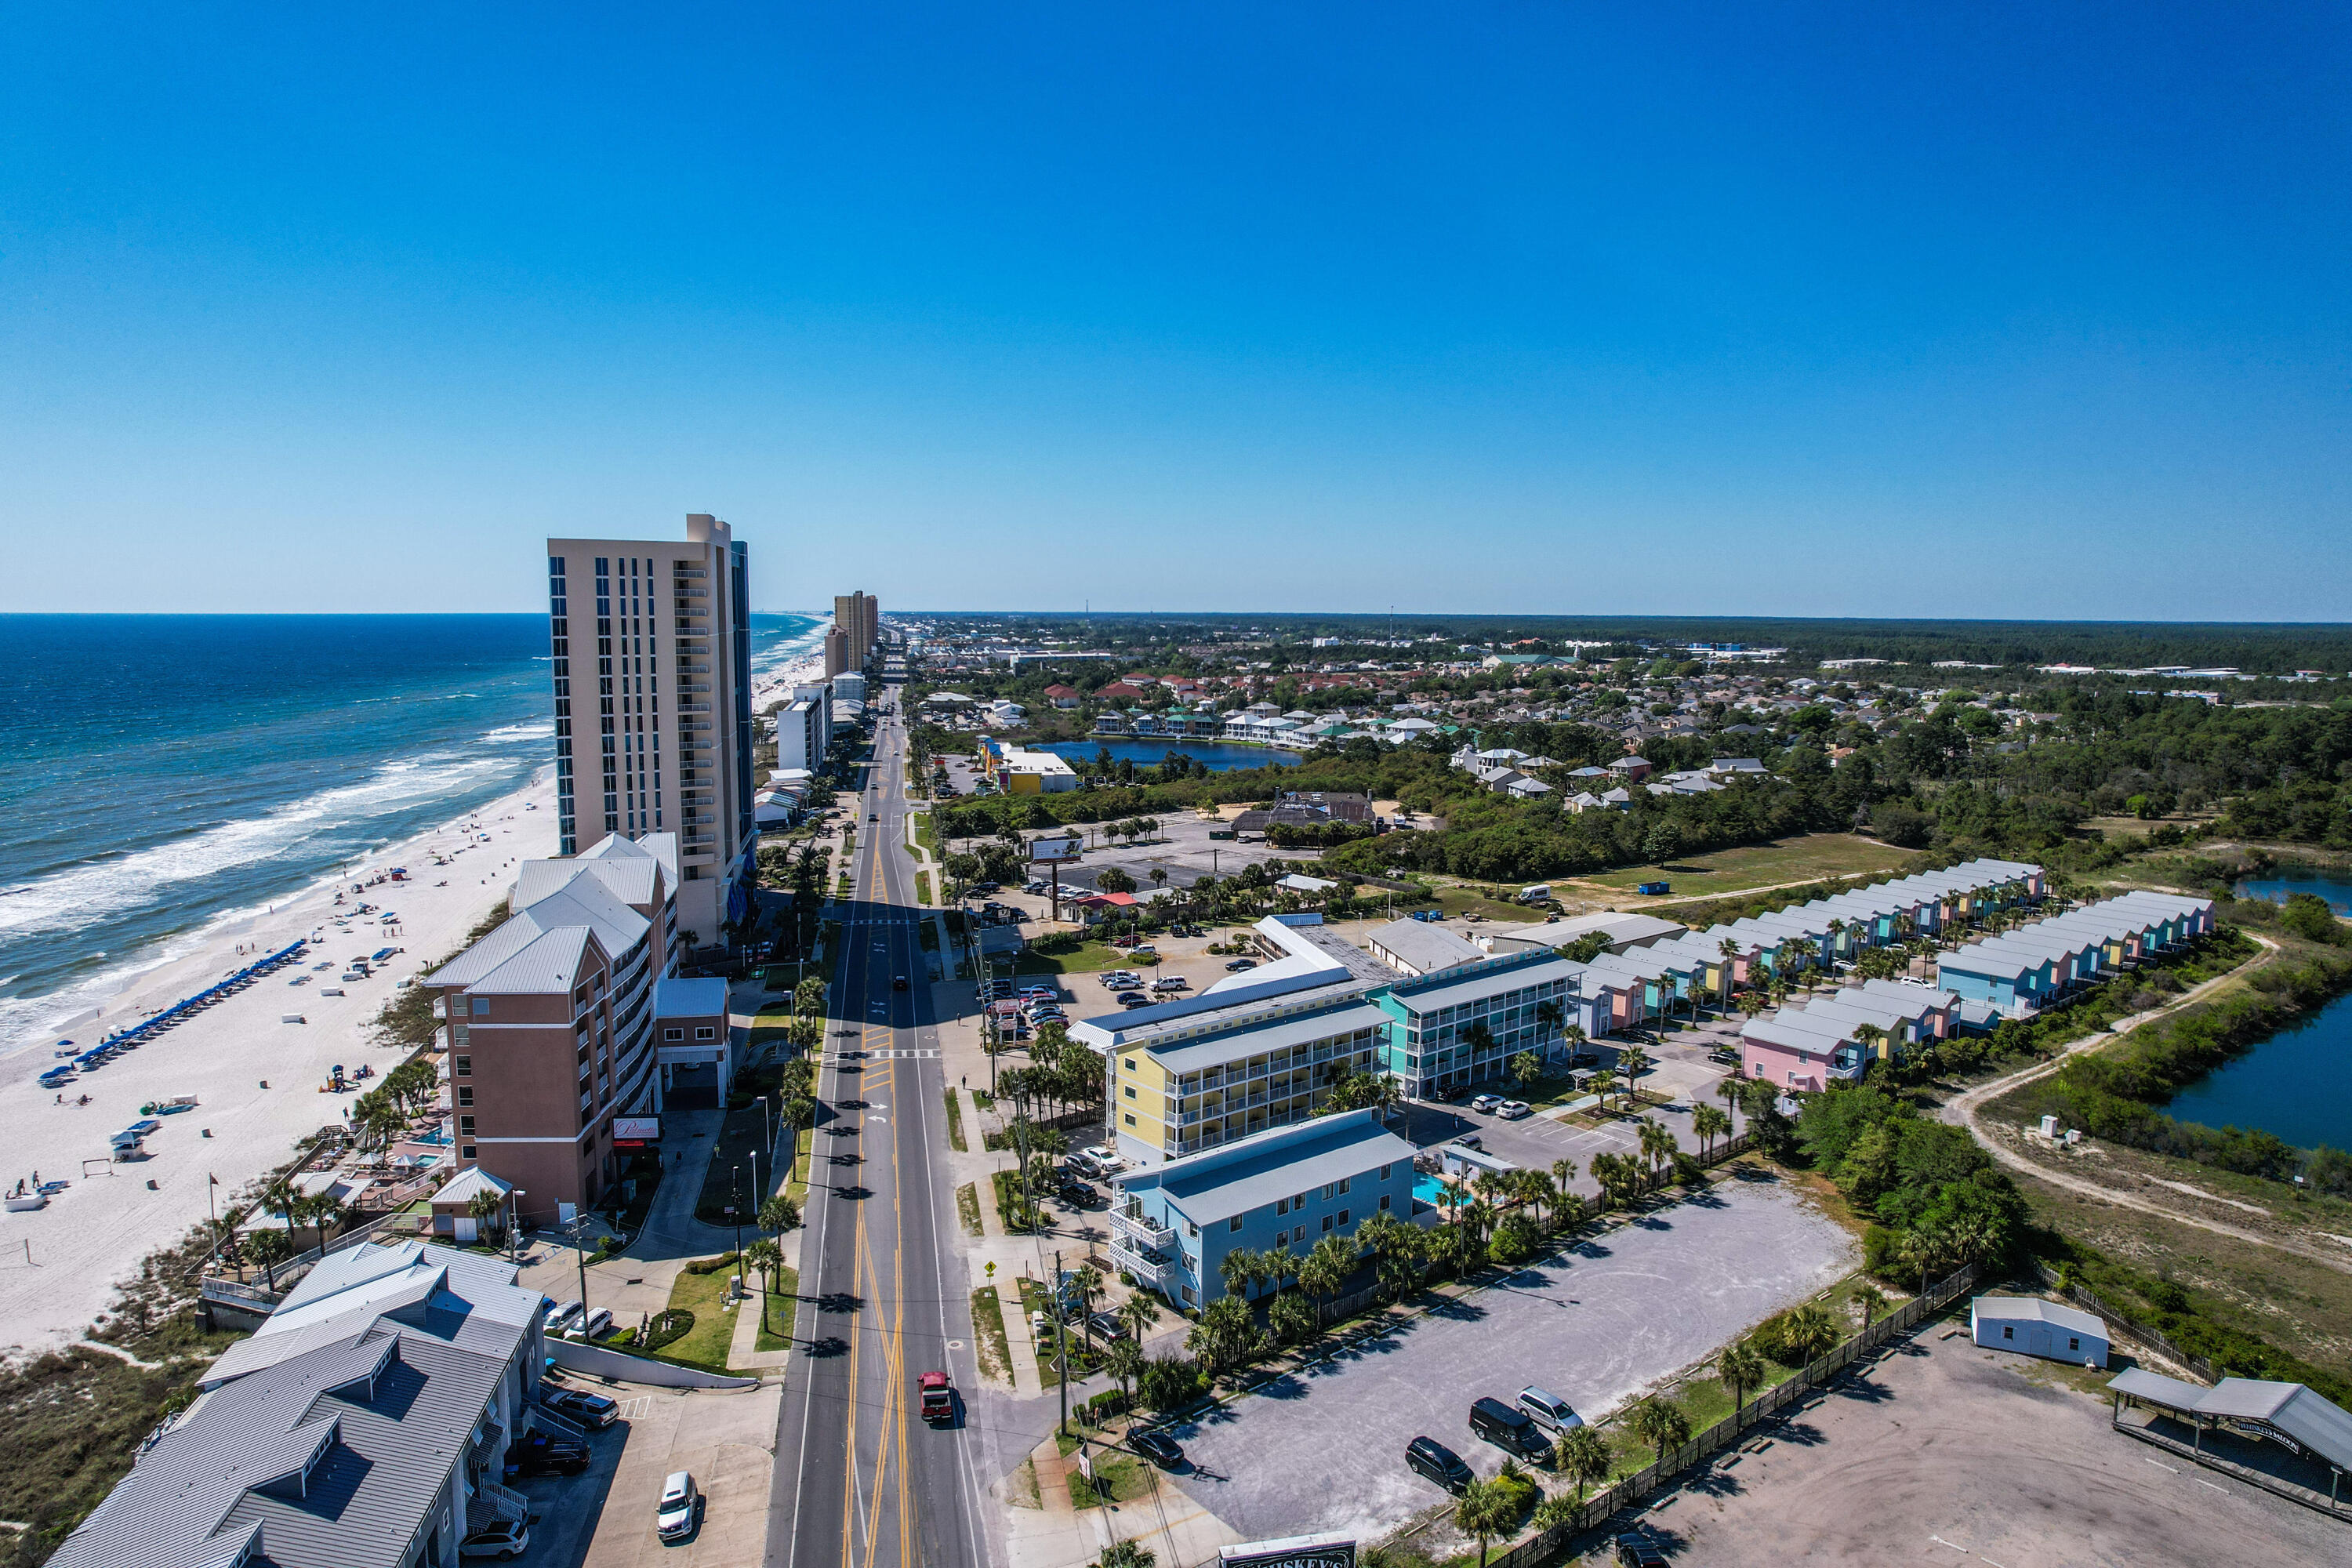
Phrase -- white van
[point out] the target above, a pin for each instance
(1536, 893)
(1548, 1411)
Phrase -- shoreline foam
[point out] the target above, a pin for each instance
(222, 1056)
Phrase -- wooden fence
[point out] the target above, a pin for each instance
(2128, 1328)
(1650, 1479)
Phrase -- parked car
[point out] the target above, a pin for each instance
(1157, 1447)
(674, 1515)
(1171, 982)
(1635, 1548)
(1507, 1427)
(1512, 1110)
(1105, 1157)
(579, 1404)
(1077, 1194)
(1469, 1140)
(1133, 999)
(598, 1322)
(563, 1317)
(540, 1455)
(1432, 1460)
(1237, 966)
(898, 982)
(1109, 1326)
(504, 1539)
(1548, 1410)
(1484, 1104)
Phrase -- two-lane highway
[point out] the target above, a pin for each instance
(860, 1480)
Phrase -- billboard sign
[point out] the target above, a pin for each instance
(1046, 849)
(637, 1128)
(1291, 1552)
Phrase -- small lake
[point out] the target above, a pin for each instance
(2297, 1084)
(2295, 880)
(1217, 757)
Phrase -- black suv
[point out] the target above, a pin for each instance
(1434, 1461)
(1506, 1426)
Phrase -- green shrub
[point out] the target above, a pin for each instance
(712, 1265)
(670, 1324)
(1170, 1383)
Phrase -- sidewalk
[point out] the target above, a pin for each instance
(636, 1283)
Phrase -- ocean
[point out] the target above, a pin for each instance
(167, 773)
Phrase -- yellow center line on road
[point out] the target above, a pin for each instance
(893, 1407)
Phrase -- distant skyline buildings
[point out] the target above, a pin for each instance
(854, 616)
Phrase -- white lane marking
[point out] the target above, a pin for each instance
(2203, 1482)
(2161, 1465)
(1953, 1545)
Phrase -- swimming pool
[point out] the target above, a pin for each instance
(1427, 1188)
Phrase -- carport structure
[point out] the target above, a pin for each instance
(2310, 1426)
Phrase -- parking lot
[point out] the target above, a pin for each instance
(728, 1440)
(1181, 847)
(1944, 1453)
(1323, 1450)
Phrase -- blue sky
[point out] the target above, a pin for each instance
(1925, 310)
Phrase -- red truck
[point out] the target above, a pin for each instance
(939, 1398)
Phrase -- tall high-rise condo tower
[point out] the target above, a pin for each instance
(652, 642)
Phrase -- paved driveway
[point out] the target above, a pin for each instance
(1325, 1450)
(727, 1439)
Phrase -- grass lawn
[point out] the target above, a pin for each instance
(707, 1344)
(955, 1121)
(797, 1188)
(990, 1347)
(1009, 1205)
(1090, 957)
(776, 1331)
(922, 887)
(968, 1207)
(1462, 900)
(1802, 859)
(743, 1135)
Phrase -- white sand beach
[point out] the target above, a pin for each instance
(58, 1265)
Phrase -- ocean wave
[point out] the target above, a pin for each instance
(93, 894)
(537, 730)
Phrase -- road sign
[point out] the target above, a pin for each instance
(1291, 1552)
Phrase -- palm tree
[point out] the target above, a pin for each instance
(1810, 1331)
(1234, 1270)
(1604, 1084)
(1326, 1267)
(268, 1248)
(1656, 1421)
(1658, 1148)
(1123, 1359)
(1477, 1039)
(1582, 1456)
(1741, 1367)
(1631, 1063)
(1087, 1282)
(1486, 1511)
(1563, 1171)
(1138, 1312)
(281, 1197)
(483, 1209)
(1709, 1123)
(767, 1258)
(1870, 1038)
(1126, 1555)
(1869, 1300)
(1729, 949)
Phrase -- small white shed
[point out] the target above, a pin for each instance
(2032, 1326)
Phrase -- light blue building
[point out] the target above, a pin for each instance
(1172, 1225)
